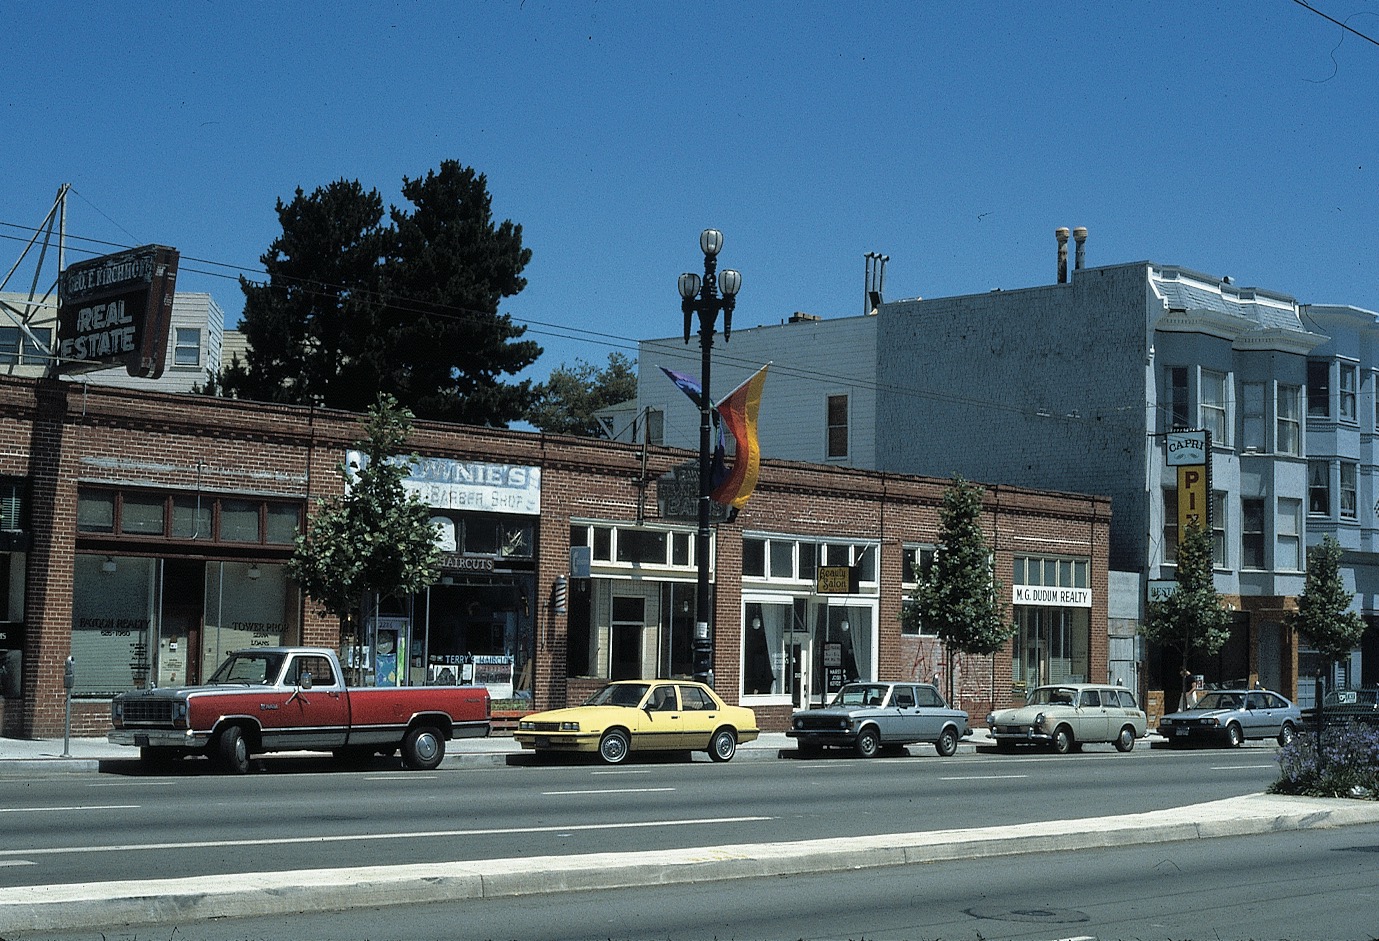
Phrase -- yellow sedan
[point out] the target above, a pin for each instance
(642, 715)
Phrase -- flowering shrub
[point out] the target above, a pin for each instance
(1346, 766)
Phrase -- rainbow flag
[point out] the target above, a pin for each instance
(738, 411)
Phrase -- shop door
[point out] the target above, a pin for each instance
(797, 656)
(179, 642)
(625, 646)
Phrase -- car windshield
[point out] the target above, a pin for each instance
(1221, 700)
(1053, 696)
(861, 694)
(255, 669)
(618, 694)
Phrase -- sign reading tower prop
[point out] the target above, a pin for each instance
(116, 310)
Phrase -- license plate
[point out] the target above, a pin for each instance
(543, 741)
(1180, 731)
(141, 740)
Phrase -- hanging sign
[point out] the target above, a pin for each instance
(116, 310)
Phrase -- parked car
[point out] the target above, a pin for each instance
(867, 717)
(269, 699)
(1345, 706)
(642, 716)
(1230, 716)
(1065, 716)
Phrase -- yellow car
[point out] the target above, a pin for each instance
(642, 715)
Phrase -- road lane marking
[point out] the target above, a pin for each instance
(609, 790)
(368, 837)
(39, 810)
(986, 777)
(1241, 767)
(626, 771)
(17, 862)
(402, 776)
(133, 784)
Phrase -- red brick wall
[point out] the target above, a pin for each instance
(62, 433)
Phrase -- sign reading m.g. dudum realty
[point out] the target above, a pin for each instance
(116, 310)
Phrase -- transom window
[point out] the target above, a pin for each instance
(139, 514)
(635, 545)
(788, 559)
(1052, 571)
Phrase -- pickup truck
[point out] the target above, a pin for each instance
(267, 699)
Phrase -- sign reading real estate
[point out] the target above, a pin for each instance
(1051, 596)
(116, 310)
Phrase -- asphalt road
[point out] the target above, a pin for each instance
(1316, 884)
(303, 814)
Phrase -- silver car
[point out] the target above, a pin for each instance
(867, 717)
(1064, 716)
(1230, 716)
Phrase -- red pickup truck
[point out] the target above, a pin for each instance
(267, 699)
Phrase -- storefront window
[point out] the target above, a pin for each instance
(113, 604)
(1053, 618)
(283, 520)
(143, 514)
(247, 605)
(806, 649)
(96, 512)
(239, 520)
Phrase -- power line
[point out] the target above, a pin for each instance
(1350, 29)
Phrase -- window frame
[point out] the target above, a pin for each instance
(837, 433)
(1253, 527)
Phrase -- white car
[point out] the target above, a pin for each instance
(1065, 716)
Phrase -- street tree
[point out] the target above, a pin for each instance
(958, 598)
(375, 538)
(1324, 613)
(353, 305)
(567, 400)
(1192, 620)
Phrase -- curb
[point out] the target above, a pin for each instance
(94, 905)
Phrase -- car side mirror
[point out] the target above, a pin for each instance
(305, 681)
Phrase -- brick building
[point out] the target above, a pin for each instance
(147, 533)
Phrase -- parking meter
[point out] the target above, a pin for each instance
(69, 679)
(69, 673)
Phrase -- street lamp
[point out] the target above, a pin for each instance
(702, 297)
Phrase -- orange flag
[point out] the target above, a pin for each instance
(738, 411)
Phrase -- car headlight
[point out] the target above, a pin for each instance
(1039, 720)
(525, 726)
(991, 719)
(1211, 720)
(117, 711)
(569, 726)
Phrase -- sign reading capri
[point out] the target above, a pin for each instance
(116, 310)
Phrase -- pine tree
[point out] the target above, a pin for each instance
(1324, 613)
(959, 597)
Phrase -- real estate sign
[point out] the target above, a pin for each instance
(116, 310)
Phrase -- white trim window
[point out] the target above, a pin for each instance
(1288, 413)
(186, 350)
(1349, 390)
(1214, 411)
(1289, 535)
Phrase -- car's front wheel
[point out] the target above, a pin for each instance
(1234, 737)
(1286, 734)
(1063, 740)
(1126, 739)
(947, 743)
(868, 742)
(614, 746)
(723, 745)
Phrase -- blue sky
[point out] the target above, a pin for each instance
(1234, 138)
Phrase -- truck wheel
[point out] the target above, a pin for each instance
(723, 746)
(423, 749)
(613, 747)
(868, 742)
(947, 743)
(232, 751)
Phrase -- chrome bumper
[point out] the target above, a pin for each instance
(158, 738)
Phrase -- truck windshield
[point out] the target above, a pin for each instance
(255, 669)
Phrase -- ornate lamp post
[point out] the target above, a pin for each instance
(702, 297)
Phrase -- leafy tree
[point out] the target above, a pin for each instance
(1324, 613)
(959, 597)
(1192, 619)
(354, 306)
(377, 536)
(567, 401)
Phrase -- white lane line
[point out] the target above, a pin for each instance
(1242, 767)
(40, 810)
(625, 771)
(986, 777)
(609, 790)
(17, 862)
(368, 837)
(402, 776)
(140, 784)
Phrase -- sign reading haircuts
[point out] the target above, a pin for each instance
(116, 310)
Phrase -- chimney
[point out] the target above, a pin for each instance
(1062, 235)
(1080, 237)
